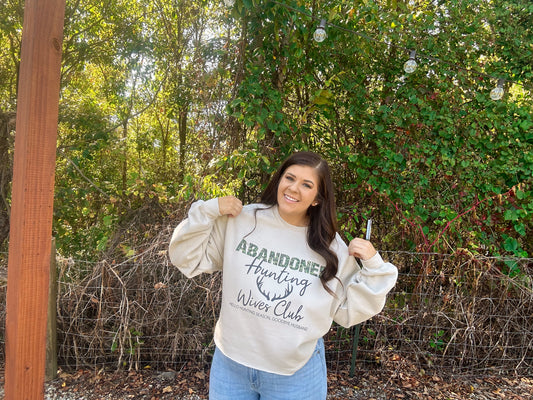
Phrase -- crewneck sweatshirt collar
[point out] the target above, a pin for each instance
(295, 228)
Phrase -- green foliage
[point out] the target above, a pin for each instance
(163, 102)
(11, 17)
(429, 154)
(437, 342)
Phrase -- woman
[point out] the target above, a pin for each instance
(287, 275)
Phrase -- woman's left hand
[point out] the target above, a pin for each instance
(362, 249)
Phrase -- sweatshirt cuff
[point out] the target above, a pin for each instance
(212, 207)
(205, 209)
(375, 262)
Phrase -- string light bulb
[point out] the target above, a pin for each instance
(410, 65)
(498, 92)
(320, 34)
(229, 3)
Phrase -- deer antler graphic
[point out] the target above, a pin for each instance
(259, 282)
(288, 291)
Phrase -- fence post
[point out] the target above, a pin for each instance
(357, 330)
(32, 198)
(51, 323)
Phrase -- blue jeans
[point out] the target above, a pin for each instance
(230, 380)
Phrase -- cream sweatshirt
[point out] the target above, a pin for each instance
(274, 307)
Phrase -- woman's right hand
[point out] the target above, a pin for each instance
(229, 205)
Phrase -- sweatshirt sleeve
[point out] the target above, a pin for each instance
(197, 244)
(365, 290)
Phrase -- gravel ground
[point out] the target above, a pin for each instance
(52, 392)
(374, 385)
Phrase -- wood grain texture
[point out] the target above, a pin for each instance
(32, 198)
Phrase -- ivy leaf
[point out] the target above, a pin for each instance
(511, 215)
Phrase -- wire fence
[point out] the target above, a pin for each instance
(448, 313)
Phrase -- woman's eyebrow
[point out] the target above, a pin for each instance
(294, 176)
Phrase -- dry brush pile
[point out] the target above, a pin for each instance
(139, 312)
(452, 313)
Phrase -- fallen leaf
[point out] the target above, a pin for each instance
(200, 375)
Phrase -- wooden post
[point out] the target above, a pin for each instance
(32, 199)
(50, 372)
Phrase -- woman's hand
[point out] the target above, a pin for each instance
(362, 249)
(229, 205)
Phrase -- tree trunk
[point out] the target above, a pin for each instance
(7, 125)
(183, 141)
(125, 156)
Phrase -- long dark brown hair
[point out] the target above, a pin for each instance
(322, 217)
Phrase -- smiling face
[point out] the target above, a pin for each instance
(297, 191)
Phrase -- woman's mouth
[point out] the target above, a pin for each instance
(291, 199)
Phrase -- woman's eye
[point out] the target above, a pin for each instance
(306, 185)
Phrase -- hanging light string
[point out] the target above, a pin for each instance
(500, 80)
(320, 34)
(410, 65)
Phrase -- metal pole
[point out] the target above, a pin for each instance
(357, 328)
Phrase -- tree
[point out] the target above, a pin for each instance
(7, 125)
(171, 100)
(428, 153)
(11, 13)
(132, 74)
